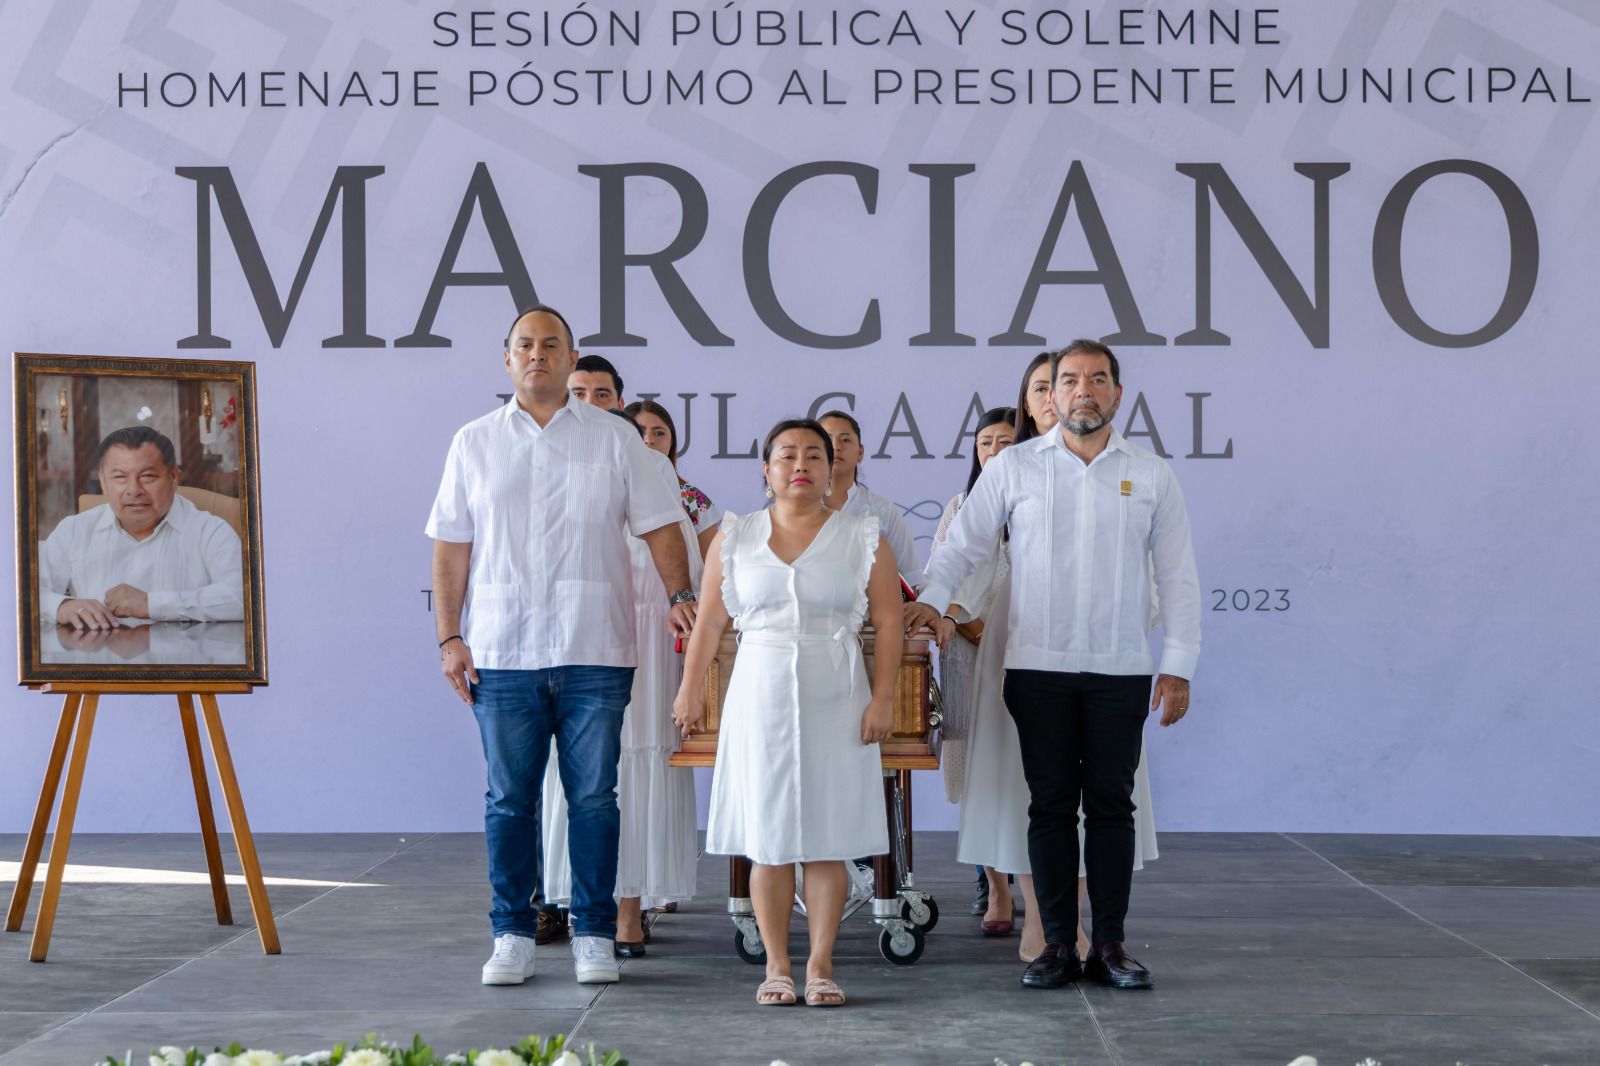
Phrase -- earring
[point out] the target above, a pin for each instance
(770, 493)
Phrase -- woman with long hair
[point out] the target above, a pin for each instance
(1036, 415)
(958, 662)
(661, 435)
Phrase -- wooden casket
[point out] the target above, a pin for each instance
(913, 745)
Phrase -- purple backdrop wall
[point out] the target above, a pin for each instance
(1429, 509)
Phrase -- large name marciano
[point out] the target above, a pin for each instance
(1305, 298)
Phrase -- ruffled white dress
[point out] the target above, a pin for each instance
(657, 851)
(958, 659)
(994, 799)
(793, 782)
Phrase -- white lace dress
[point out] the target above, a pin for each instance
(793, 782)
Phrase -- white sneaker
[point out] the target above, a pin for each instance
(595, 959)
(512, 961)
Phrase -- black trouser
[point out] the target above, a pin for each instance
(1081, 735)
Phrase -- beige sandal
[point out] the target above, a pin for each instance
(822, 992)
(776, 992)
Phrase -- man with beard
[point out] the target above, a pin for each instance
(1085, 510)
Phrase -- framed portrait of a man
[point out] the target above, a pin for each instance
(138, 520)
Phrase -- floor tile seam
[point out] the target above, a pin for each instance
(1450, 932)
(257, 1011)
(232, 940)
(1099, 1030)
(76, 1017)
(321, 895)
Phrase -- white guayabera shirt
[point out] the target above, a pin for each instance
(191, 567)
(548, 513)
(863, 501)
(1081, 535)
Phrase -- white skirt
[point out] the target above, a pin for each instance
(793, 782)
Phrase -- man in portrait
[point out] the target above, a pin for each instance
(145, 555)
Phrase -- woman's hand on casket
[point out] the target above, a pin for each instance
(688, 711)
(877, 723)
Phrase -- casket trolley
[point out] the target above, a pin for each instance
(904, 912)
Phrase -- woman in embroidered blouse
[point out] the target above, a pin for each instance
(661, 435)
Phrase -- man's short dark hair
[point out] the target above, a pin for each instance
(133, 438)
(1082, 346)
(599, 364)
(543, 309)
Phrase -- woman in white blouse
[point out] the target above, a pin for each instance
(662, 436)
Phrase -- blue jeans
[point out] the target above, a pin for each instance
(519, 712)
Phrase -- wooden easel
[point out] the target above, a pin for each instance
(82, 700)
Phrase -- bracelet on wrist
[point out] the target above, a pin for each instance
(452, 636)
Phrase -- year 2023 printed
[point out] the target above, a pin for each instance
(1242, 600)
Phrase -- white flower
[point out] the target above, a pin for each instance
(217, 1058)
(497, 1057)
(455, 1058)
(567, 1058)
(173, 1056)
(366, 1057)
(257, 1058)
(1304, 1060)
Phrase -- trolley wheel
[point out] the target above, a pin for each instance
(924, 914)
(902, 946)
(756, 956)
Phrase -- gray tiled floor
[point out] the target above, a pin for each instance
(1411, 950)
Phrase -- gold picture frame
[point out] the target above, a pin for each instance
(178, 612)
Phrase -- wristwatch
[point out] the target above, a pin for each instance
(682, 596)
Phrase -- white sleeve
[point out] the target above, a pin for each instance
(653, 499)
(1177, 580)
(221, 599)
(55, 570)
(972, 535)
(940, 534)
(900, 539)
(451, 518)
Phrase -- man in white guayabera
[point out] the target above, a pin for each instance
(146, 554)
(1088, 513)
(534, 606)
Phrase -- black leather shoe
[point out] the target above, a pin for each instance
(980, 902)
(1057, 965)
(630, 949)
(1110, 965)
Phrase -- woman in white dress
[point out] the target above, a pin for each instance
(660, 435)
(994, 799)
(656, 854)
(798, 777)
(958, 661)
